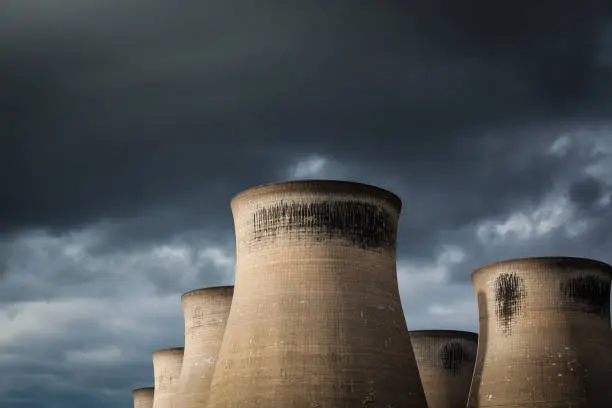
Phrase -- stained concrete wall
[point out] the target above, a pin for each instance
(166, 370)
(445, 359)
(205, 312)
(545, 338)
(143, 397)
(316, 318)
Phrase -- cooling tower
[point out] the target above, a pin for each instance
(316, 318)
(166, 370)
(445, 359)
(143, 397)
(205, 312)
(545, 338)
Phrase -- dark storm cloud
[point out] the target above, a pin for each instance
(132, 106)
(586, 192)
(555, 43)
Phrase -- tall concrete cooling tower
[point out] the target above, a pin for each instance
(545, 338)
(205, 312)
(446, 363)
(166, 370)
(316, 319)
(143, 397)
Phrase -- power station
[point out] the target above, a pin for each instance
(205, 312)
(167, 365)
(445, 359)
(545, 338)
(315, 320)
(143, 397)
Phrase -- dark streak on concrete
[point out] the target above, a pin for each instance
(452, 356)
(509, 294)
(589, 293)
(365, 225)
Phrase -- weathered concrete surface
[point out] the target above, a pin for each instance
(166, 370)
(545, 338)
(316, 318)
(445, 359)
(205, 312)
(143, 397)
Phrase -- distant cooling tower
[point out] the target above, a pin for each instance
(143, 397)
(205, 312)
(545, 338)
(446, 363)
(166, 370)
(316, 319)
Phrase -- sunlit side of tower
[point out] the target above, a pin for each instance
(205, 312)
(545, 338)
(316, 318)
(445, 359)
(166, 370)
(143, 397)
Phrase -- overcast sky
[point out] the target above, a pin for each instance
(127, 125)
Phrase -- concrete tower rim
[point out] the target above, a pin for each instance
(142, 389)
(207, 289)
(170, 350)
(442, 333)
(572, 260)
(320, 185)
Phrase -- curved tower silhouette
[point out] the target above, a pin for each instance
(143, 397)
(316, 318)
(446, 363)
(205, 312)
(166, 370)
(545, 338)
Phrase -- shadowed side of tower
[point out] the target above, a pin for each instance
(445, 359)
(143, 397)
(316, 318)
(166, 370)
(205, 312)
(545, 338)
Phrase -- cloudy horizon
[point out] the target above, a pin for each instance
(127, 126)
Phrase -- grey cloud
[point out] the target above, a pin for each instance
(38, 370)
(43, 267)
(58, 384)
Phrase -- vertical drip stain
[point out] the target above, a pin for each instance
(453, 355)
(509, 295)
(590, 294)
(365, 225)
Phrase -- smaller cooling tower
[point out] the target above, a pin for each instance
(166, 370)
(544, 334)
(205, 312)
(445, 359)
(143, 397)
